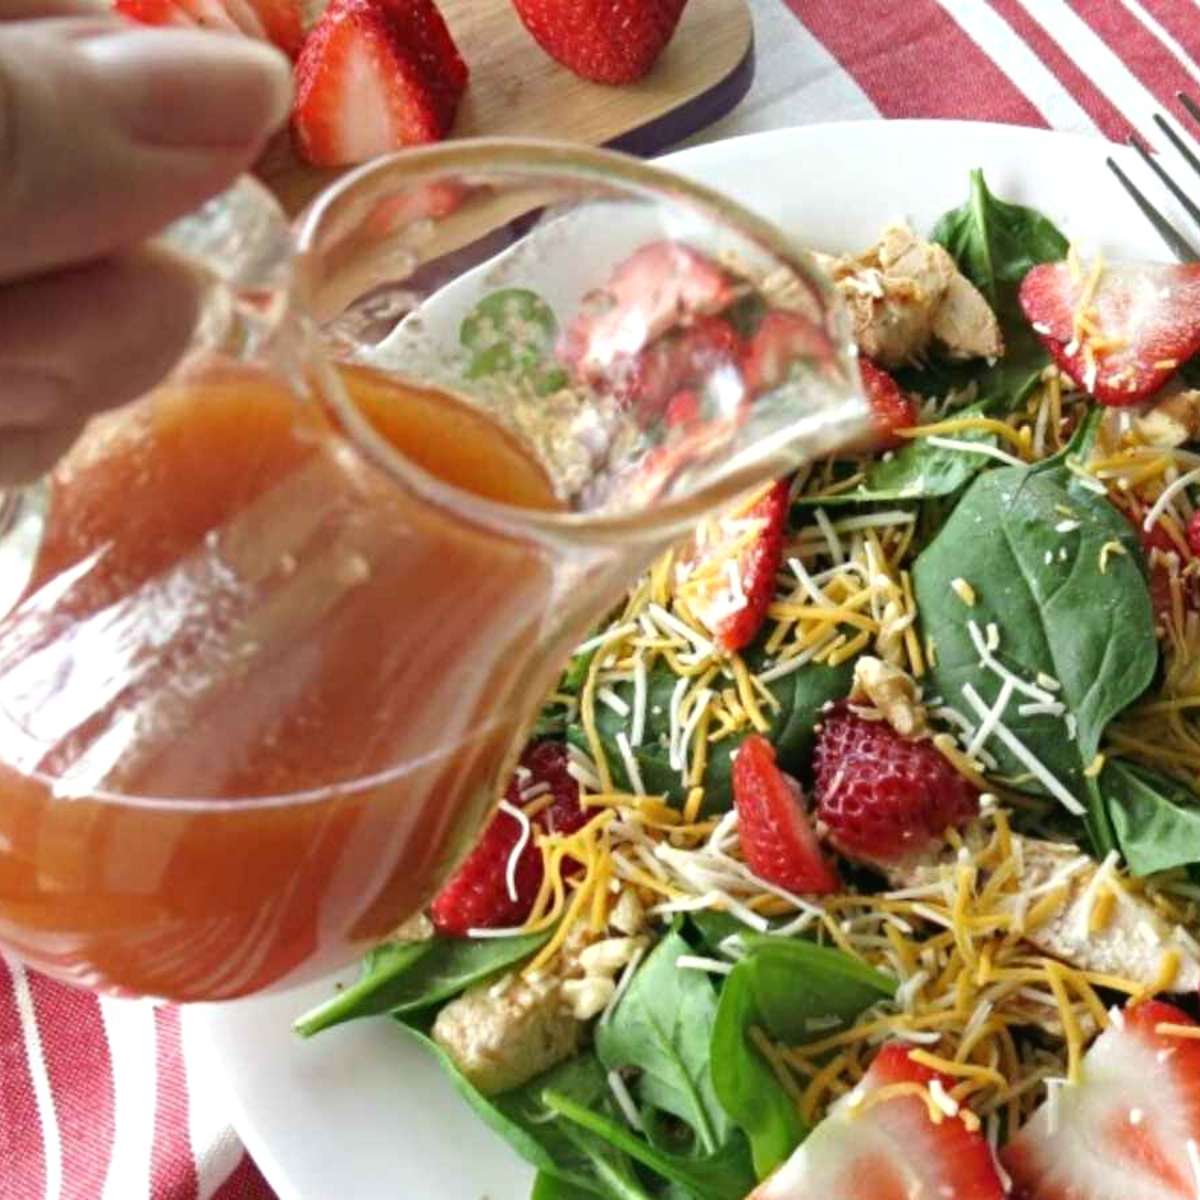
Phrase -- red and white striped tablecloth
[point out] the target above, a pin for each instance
(108, 1100)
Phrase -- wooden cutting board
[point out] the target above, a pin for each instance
(518, 90)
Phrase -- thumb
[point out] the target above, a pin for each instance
(108, 132)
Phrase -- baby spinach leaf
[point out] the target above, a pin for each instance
(801, 697)
(522, 1118)
(551, 1187)
(512, 332)
(779, 987)
(662, 1027)
(918, 470)
(400, 977)
(996, 243)
(1028, 541)
(725, 1174)
(1156, 820)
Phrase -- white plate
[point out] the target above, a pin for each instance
(360, 1113)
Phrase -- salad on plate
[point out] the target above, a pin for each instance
(857, 855)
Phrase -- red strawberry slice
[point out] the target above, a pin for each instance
(1124, 1131)
(607, 41)
(891, 1149)
(1193, 533)
(733, 580)
(660, 286)
(782, 339)
(276, 21)
(885, 798)
(374, 76)
(1141, 323)
(891, 409)
(699, 358)
(477, 895)
(777, 840)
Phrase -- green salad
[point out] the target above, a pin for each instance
(856, 856)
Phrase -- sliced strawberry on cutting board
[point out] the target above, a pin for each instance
(1130, 1129)
(660, 286)
(777, 839)
(478, 895)
(276, 21)
(375, 76)
(732, 580)
(1123, 340)
(606, 41)
(891, 1149)
(883, 797)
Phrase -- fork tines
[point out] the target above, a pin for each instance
(1178, 244)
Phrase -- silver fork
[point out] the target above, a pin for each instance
(1178, 244)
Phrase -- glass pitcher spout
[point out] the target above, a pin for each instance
(284, 622)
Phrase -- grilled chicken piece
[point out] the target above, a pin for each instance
(500, 1035)
(904, 293)
(1131, 943)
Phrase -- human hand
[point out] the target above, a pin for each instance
(107, 133)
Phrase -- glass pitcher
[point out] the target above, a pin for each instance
(270, 636)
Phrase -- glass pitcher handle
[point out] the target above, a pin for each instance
(242, 248)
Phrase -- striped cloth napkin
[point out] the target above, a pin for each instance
(108, 1100)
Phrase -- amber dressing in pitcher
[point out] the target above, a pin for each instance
(234, 615)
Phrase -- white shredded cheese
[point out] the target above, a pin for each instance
(510, 870)
(624, 1100)
(607, 696)
(975, 448)
(698, 962)
(988, 725)
(1160, 505)
(609, 635)
(637, 727)
(825, 525)
(631, 766)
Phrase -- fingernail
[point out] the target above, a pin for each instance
(180, 87)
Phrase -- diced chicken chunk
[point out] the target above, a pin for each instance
(501, 1036)
(904, 294)
(1134, 940)
(1173, 420)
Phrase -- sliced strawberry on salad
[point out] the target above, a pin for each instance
(732, 592)
(885, 798)
(1119, 335)
(375, 76)
(606, 41)
(492, 888)
(777, 839)
(891, 408)
(661, 286)
(1130, 1128)
(882, 1142)
(780, 340)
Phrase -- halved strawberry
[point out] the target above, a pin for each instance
(732, 582)
(777, 840)
(607, 41)
(477, 895)
(1130, 1129)
(661, 285)
(884, 798)
(699, 358)
(1138, 326)
(781, 340)
(276, 21)
(890, 1149)
(1193, 533)
(374, 76)
(891, 409)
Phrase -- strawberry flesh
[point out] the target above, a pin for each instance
(1123, 1131)
(777, 840)
(885, 798)
(781, 340)
(734, 614)
(606, 41)
(891, 1149)
(372, 77)
(660, 286)
(891, 408)
(1143, 322)
(276, 21)
(477, 895)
